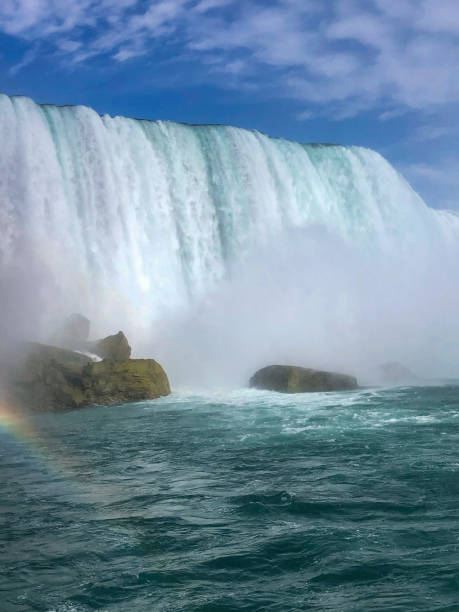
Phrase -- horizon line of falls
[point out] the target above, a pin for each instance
(219, 250)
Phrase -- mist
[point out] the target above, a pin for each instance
(307, 298)
(310, 299)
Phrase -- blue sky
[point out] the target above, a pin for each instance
(378, 73)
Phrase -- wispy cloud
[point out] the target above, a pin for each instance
(342, 56)
(393, 113)
(429, 133)
(29, 57)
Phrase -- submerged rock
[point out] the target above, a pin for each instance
(51, 379)
(112, 348)
(293, 379)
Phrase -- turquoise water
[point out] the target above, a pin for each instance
(236, 501)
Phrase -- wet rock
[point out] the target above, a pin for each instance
(294, 379)
(111, 348)
(47, 378)
(50, 379)
(112, 382)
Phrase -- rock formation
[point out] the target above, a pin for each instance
(112, 348)
(46, 378)
(113, 382)
(293, 379)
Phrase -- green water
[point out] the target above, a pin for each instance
(237, 501)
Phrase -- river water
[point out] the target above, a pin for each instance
(240, 500)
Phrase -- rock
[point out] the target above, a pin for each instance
(113, 382)
(74, 333)
(394, 373)
(50, 379)
(293, 379)
(47, 378)
(111, 348)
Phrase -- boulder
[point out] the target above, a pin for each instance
(50, 379)
(114, 382)
(47, 378)
(111, 348)
(293, 379)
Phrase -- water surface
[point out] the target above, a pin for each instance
(236, 501)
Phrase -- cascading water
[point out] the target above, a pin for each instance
(139, 224)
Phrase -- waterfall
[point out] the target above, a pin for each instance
(133, 221)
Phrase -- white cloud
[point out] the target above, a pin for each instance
(68, 46)
(347, 55)
(207, 5)
(28, 58)
(427, 133)
(35, 19)
(305, 115)
(439, 16)
(392, 114)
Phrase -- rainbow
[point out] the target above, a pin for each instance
(15, 424)
(40, 452)
(19, 428)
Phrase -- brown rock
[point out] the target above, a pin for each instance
(113, 382)
(293, 379)
(50, 379)
(112, 348)
(47, 378)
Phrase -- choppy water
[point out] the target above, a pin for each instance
(243, 501)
